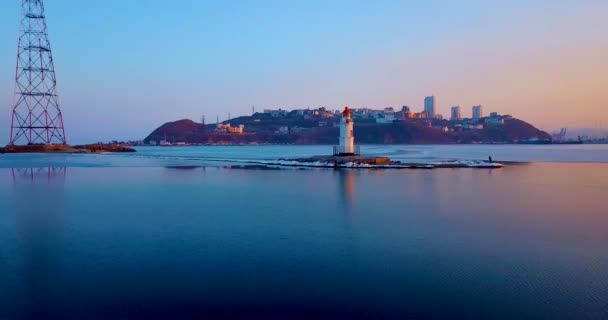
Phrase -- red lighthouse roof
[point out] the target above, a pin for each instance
(346, 112)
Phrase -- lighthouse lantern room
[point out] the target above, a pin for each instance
(347, 140)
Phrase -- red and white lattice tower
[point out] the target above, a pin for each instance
(37, 116)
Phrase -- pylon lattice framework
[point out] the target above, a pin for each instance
(37, 117)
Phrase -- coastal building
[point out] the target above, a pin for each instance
(227, 128)
(322, 112)
(455, 114)
(420, 115)
(429, 106)
(278, 113)
(477, 112)
(347, 139)
(494, 119)
(375, 114)
(472, 126)
(238, 130)
(386, 118)
(442, 128)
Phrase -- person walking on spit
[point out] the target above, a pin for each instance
(490, 159)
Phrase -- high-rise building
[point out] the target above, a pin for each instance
(477, 112)
(455, 113)
(429, 106)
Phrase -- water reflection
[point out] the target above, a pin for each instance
(346, 186)
(39, 175)
(251, 167)
(186, 168)
(37, 206)
(371, 240)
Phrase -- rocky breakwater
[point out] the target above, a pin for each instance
(102, 148)
(373, 162)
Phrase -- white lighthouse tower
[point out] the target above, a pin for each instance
(347, 140)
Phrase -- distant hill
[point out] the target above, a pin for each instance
(261, 128)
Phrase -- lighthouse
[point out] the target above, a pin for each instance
(347, 140)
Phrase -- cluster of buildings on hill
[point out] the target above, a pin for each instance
(390, 115)
(305, 126)
(456, 115)
(323, 117)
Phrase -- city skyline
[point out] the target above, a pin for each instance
(119, 79)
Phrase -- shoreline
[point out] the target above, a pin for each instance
(363, 144)
(67, 149)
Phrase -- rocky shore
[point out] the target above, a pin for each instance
(372, 162)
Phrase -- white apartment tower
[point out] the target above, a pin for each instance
(477, 112)
(455, 115)
(429, 106)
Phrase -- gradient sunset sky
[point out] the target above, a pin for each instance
(125, 67)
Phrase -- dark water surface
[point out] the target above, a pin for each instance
(525, 241)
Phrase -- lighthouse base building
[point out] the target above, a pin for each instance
(347, 139)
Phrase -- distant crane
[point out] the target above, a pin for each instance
(562, 134)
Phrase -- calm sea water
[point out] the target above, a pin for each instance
(183, 232)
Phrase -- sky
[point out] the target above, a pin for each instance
(126, 67)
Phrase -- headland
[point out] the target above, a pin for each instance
(321, 127)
